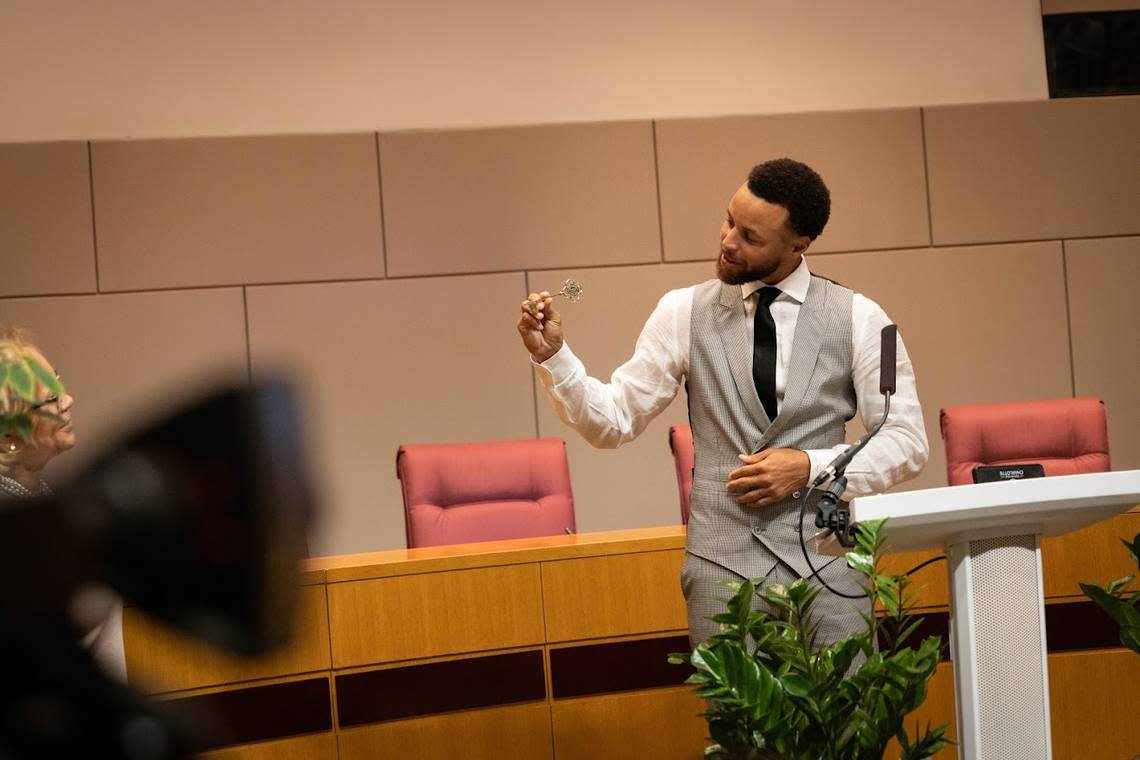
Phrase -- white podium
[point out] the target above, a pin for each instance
(991, 533)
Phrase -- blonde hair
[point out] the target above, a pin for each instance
(16, 342)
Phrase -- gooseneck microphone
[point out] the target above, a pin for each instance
(889, 337)
(829, 515)
(835, 468)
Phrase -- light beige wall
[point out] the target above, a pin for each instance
(140, 68)
(272, 251)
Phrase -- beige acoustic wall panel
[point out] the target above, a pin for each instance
(1034, 171)
(519, 198)
(635, 485)
(230, 211)
(46, 239)
(436, 360)
(128, 357)
(1104, 277)
(871, 161)
(981, 324)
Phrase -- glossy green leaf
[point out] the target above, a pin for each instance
(21, 382)
(47, 379)
(20, 425)
(864, 563)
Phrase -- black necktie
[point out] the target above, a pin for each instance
(764, 350)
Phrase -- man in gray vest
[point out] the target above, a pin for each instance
(775, 360)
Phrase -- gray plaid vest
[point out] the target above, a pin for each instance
(728, 419)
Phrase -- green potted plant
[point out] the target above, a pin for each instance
(1121, 607)
(771, 692)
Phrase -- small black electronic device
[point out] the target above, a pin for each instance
(994, 473)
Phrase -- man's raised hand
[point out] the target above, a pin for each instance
(540, 326)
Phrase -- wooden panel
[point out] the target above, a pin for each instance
(160, 659)
(550, 196)
(938, 709)
(613, 596)
(1035, 170)
(1091, 555)
(656, 723)
(963, 314)
(633, 485)
(521, 731)
(397, 372)
(1093, 702)
(414, 616)
(871, 161)
(929, 585)
(1092, 696)
(45, 219)
(311, 747)
(1102, 277)
(184, 213)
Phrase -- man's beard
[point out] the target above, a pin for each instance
(738, 276)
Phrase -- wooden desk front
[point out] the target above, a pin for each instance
(525, 648)
(548, 647)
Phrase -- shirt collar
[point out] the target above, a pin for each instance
(794, 285)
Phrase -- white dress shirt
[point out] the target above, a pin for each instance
(610, 414)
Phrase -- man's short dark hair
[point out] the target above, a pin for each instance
(796, 187)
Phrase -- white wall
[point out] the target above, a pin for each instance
(158, 68)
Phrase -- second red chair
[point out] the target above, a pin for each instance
(1066, 436)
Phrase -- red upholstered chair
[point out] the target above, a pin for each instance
(1066, 436)
(681, 442)
(465, 492)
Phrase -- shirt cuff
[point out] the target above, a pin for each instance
(819, 459)
(559, 366)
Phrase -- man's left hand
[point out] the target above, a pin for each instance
(769, 476)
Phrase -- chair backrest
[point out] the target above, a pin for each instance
(681, 442)
(1066, 436)
(466, 492)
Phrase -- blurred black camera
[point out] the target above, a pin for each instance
(199, 520)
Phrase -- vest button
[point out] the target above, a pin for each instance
(796, 495)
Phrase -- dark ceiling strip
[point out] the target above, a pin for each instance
(621, 666)
(437, 687)
(258, 713)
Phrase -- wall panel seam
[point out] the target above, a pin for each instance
(380, 201)
(1069, 320)
(248, 342)
(657, 186)
(91, 196)
(926, 177)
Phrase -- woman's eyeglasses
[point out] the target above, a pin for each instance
(45, 402)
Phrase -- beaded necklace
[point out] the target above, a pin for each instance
(13, 487)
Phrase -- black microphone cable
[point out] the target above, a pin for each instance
(803, 548)
(921, 565)
(837, 476)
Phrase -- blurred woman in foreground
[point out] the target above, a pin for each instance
(35, 430)
(22, 460)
